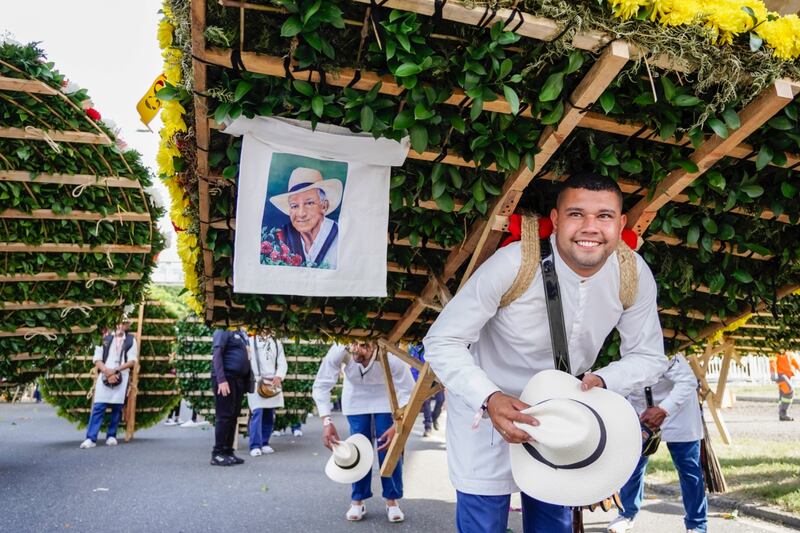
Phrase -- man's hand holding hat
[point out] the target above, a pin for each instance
(504, 410)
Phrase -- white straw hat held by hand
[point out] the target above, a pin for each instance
(351, 459)
(585, 447)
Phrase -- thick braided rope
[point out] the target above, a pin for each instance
(628, 276)
(531, 256)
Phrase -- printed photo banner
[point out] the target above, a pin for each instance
(312, 210)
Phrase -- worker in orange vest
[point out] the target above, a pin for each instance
(780, 369)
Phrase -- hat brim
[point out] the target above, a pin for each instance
(600, 479)
(364, 465)
(332, 189)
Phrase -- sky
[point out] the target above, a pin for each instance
(108, 47)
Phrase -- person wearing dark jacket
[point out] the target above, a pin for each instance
(230, 379)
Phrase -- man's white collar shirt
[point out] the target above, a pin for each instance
(322, 236)
(102, 393)
(476, 348)
(364, 388)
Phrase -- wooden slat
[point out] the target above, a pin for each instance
(71, 276)
(26, 86)
(696, 315)
(21, 332)
(69, 179)
(716, 246)
(60, 304)
(600, 122)
(73, 248)
(602, 73)
(84, 137)
(769, 102)
(48, 214)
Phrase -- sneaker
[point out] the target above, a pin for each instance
(297, 433)
(436, 425)
(178, 421)
(201, 423)
(356, 512)
(267, 449)
(236, 459)
(111, 441)
(277, 433)
(394, 514)
(170, 422)
(255, 452)
(221, 460)
(189, 424)
(426, 433)
(88, 443)
(620, 524)
(786, 419)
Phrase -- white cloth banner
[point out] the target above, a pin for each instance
(312, 211)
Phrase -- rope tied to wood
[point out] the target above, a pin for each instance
(85, 309)
(90, 282)
(44, 136)
(77, 191)
(32, 334)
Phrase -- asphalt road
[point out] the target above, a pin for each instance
(161, 481)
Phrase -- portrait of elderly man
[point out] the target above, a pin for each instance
(310, 238)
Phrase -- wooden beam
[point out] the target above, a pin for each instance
(601, 74)
(26, 86)
(695, 315)
(716, 246)
(387, 378)
(202, 136)
(715, 148)
(74, 248)
(130, 405)
(34, 134)
(48, 214)
(60, 304)
(69, 179)
(400, 353)
(71, 276)
(32, 332)
(748, 310)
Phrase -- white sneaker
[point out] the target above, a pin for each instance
(111, 441)
(297, 433)
(170, 422)
(620, 524)
(277, 433)
(88, 443)
(394, 514)
(356, 512)
(267, 449)
(178, 421)
(188, 424)
(255, 452)
(201, 423)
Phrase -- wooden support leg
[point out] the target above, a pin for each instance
(713, 407)
(130, 407)
(426, 386)
(387, 375)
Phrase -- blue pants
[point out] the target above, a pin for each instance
(686, 458)
(261, 422)
(429, 416)
(97, 416)
(489, 514)
(392, 486)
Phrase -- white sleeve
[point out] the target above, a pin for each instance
(283, 366)
(327, 377)
(642, 359)
(684, 387)
(403, 380)
(459, 325)
(133, 353)
(98, 354)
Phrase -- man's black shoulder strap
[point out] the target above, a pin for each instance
(126, 345)
(106, 346)
(328, 242)
(555, 312)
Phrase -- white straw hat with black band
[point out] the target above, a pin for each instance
(304, 179)
(351, 459)
(585, 447)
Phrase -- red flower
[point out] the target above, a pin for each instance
(296, 260)
(275, 256)
(266, 248)
(284, 249)
(279, 234)
(93, 114)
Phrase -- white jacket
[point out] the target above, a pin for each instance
(476, 348)
(271, 362)
(676, 393)
(364, 389)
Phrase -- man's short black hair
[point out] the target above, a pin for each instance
(591, 182)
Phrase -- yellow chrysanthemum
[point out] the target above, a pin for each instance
(626, 9)
(725, 19)
(676, 12)
(730, 328)
(166, 8)
(782, 35)
(166, 151)
(172, 65)
(164, 34)
(172, 116)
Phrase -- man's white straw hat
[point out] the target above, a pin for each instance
(351, 459)
(304, 179)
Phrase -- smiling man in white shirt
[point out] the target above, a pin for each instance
(485, 354)
(365, 402)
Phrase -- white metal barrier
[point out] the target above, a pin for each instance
(752, 369)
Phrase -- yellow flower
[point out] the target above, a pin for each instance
(172, 65)
(164, 34)
(166, 8)
(782, 35)
(172, 116)
(716, 337)
(626, 9)
(726, 19)
(166, 152)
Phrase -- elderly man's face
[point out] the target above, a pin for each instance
(307, 210)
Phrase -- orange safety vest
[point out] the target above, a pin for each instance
(782, 364)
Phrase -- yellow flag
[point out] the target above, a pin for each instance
(149, 105)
